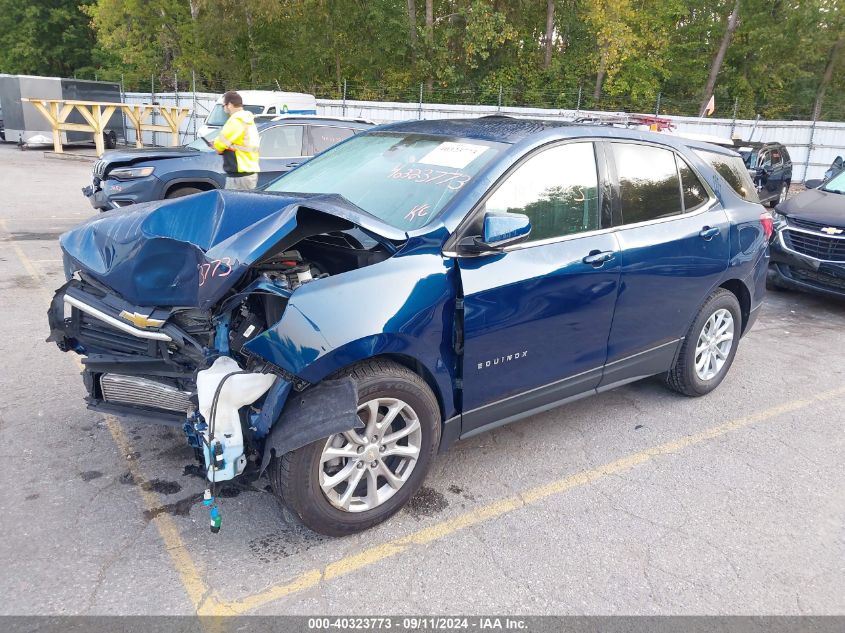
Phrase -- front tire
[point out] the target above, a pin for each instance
(782, 194)
(181, 192)
(351, 481)
(709, 348)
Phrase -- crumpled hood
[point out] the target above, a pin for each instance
(189, 252)
(136, 154)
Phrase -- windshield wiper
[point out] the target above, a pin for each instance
(834, 191)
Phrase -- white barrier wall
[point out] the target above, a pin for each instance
(826, 139)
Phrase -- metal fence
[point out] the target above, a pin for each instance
(812, 145)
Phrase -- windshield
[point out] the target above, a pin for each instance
(201, 145)
(403, 179)
(836, 184)
(218, 117)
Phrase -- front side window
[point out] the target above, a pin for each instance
(777, 157)
(649, 187)
(281, 141)
(404, 179)
(557, 189)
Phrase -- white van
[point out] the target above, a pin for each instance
(268, 102)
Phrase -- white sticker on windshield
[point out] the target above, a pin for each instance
(450, 154)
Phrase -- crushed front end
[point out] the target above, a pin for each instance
(162, 300)
(165, 365)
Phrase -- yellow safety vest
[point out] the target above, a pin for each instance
(239, 137)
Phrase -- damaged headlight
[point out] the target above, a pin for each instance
(779, 219)
(128, 173)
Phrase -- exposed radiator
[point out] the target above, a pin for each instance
(142, 392)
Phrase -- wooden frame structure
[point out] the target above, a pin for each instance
(97, 115)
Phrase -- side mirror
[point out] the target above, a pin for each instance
(813, 184)
(500, 230)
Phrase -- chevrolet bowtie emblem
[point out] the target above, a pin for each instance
(831, 230)
(140, 320)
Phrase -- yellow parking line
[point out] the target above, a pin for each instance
(30, 268)
(201, 598)
(349, 564)
(207, 602)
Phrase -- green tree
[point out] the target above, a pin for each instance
(49, 37)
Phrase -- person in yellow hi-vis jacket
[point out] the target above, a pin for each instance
(238, 142)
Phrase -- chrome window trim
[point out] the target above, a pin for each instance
(116, 323)
(612, 229)
(711, 204)
(808, 232)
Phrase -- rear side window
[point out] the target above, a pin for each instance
(649, 186)
(694, 192)
(732, 169)
(777, 157)
(324, 136)
(557, 189)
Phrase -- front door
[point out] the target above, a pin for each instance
(537, 316)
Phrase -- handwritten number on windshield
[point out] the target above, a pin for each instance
(453, 180)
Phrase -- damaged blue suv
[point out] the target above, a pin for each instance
(419, 283)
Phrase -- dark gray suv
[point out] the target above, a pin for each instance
(770, 168)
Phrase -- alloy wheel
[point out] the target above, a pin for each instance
(714, 344)
(361, 469)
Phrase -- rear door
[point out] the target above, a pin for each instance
(281, 149)
(674, 239)
(537, 316)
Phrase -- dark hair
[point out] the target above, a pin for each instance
(233, 98)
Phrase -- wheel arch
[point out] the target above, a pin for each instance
(203, 184)
(743, 295)
(419, 368)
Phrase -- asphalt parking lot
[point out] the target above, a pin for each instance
(638, 501)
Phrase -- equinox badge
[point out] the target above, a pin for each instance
(140, 320)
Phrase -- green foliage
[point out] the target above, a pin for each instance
(47, 37)
(478, 50)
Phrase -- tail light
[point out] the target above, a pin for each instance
(768, 223)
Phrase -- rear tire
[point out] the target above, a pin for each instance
(181, 192)
(707, 352)
(363, 495)
(110, 139)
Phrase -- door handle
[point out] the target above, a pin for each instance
(597, 259)
(708, 233)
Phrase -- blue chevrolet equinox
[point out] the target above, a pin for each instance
(416, 284)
